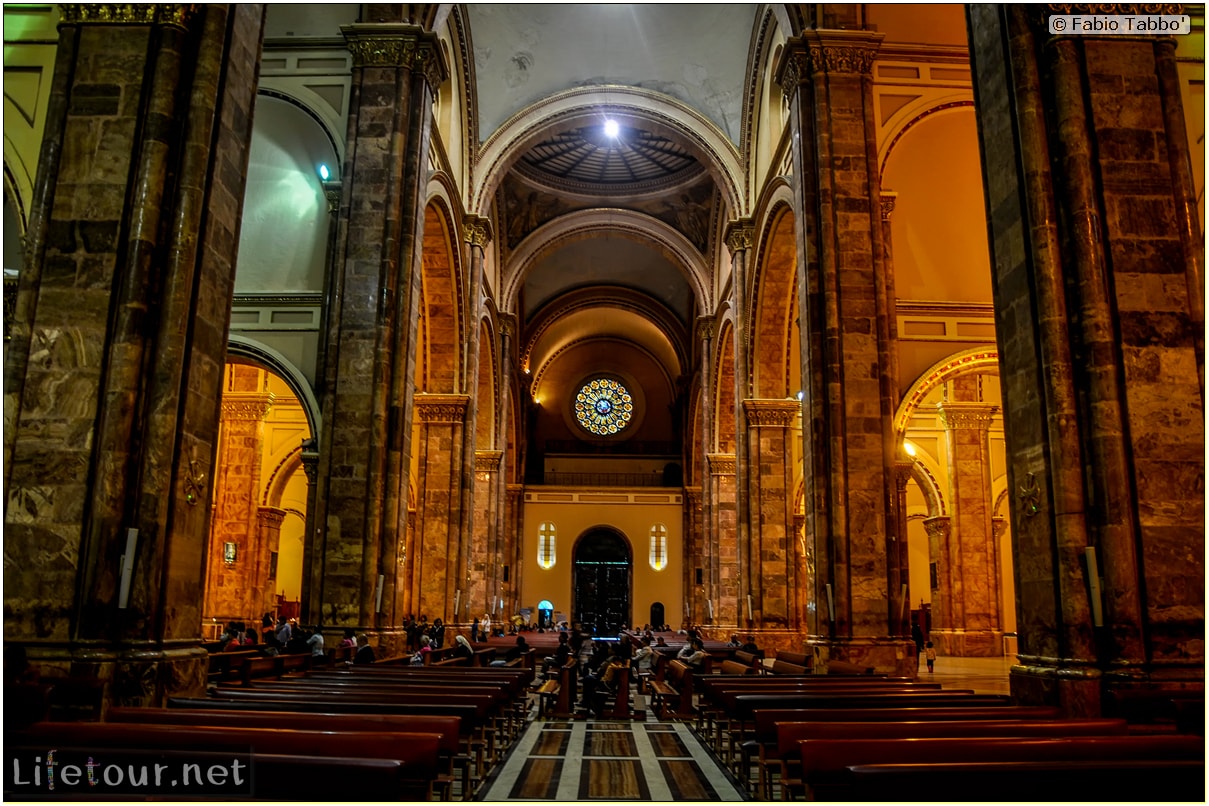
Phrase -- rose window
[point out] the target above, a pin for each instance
(603, 406)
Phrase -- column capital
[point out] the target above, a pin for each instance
(247, 406)
(175, 14)
(956, 414)
(477, 230)
(270, 516)
(397, 45)
(889, 199)
(937, 527)
(442, 408)
(488, 461)
(826, 51)
(332, 190)
(507, 324)
(778, 413)
(705, 327)
(740, 234)
(721, 464)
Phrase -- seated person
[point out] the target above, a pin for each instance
(365, 652)
(693, 654)
(462, 648)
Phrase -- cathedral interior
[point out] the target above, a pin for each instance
(809, 322)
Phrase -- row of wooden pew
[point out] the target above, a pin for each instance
(374, 732)
(879, 738)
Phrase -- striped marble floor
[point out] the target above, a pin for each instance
(615, 761)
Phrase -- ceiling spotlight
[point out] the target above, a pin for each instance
(324, 173)
(909, 448)
(611, 129)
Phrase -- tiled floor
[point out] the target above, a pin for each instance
(587, 760)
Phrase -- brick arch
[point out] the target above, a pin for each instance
(439, 359)
(724, 391)
(774, 310)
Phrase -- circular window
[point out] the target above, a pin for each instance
(603, 406)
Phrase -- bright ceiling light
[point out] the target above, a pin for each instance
(611, 129)
(909, 448)
(324, 173)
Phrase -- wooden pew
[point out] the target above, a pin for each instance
(825, 771)
(418, 753)
(568, 677)
(675, 688)
(455, 748)
(225, 666)
(762, 747)
(790, 734)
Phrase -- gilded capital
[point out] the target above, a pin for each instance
(442, 408)
(407, 47)
(175, 14)
(826, 52)
(476, 230)
(740, 234)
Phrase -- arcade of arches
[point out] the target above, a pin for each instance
(856, 315)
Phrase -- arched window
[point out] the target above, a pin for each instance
(545, 545)
(658, 547)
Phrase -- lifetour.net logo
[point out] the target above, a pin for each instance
(77, 773)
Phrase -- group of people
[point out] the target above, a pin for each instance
(285, 636)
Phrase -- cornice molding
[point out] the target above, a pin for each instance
(819, 52)
(488, 461)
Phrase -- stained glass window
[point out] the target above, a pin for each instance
(545, 545)
(603, 406)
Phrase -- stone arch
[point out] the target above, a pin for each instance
(973, 360)
(725, 438)
(241, 345)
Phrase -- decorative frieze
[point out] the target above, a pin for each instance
(442, 408)
(404, 46)
(176, 14)
(775, 413)
(253, 407)
(721, 464)
(826, 52)
(975, 416)
(487, 461)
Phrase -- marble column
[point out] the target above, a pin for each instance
(699, 535)
(1099, 306)
(486, 568)
(770, 547)
(115, 362)
(504, 548)
(739, 238)
(372, 327)
(513, 545)
(846, 304)
(723, 550)
(234, 591)
(969, 568)
(475, 533)
(439, 569)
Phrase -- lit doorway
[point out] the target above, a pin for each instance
(600, 580)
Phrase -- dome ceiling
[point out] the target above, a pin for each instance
(586, 160)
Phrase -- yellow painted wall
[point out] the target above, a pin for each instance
(633, 517)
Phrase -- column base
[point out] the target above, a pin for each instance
(891, 655)
(968, 643)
